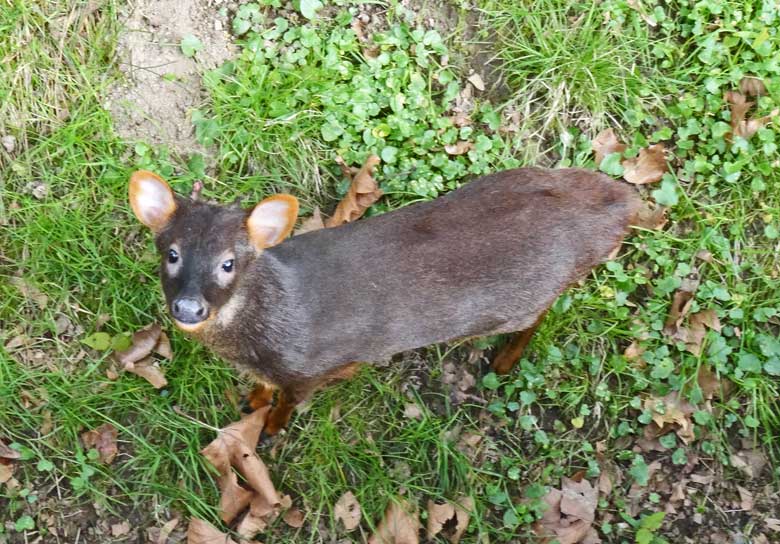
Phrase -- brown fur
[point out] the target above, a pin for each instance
(488, 258)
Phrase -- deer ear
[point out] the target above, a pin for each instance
(272, 220)
(151, 199)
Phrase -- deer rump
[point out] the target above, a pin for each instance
(487, 258)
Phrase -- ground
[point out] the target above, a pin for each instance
(655, 381)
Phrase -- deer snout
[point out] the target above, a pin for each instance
(189, 310)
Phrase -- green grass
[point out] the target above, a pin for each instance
(573, 72)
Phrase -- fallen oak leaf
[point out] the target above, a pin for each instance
(450, 518)
(459, 148)
(740, 126)
(710, 384)
(6, 472)
(578, 499)
(400, 525)
(347, 510)
(681, 305)
(362, 194)
(235, 446)
(120, 529)
(294, 518)
(163, 347)
(557, 525)
(648, 167)
(143, 343)
(672, 412)
(693, 335)
(310, 224)
(166, 530)
(650, 216)
(8, 453)
(103, 439)
(203, 532)
(149, 370)
(606, 143)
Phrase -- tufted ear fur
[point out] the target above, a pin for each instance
(272, 220)
(151, 199)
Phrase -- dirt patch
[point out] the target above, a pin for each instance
(163, 85)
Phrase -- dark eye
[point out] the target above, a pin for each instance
(173, 256)
(227, 266)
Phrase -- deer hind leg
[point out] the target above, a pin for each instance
(262, 395)
(509, 355)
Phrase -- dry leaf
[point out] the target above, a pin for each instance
(561, 521)
(740, 125)
(29, 291)
(347, 509)
(745, 499)
(773, 524)
(235, 447)
(752, 86)
(103, 439)
(710, 384)
(693, 335)
(202, 532)
(294, 518)
(312, 223)
(8, 453)
(149, 370)
(451, 519)
(166, 530)
(120, 529)
(648, 167)
(6, 471)
(637, 6)
(363, 192)
(676, 415)
(650, 217)
(459, 148)
(604, 143)
(400, 525)
(634, 351)
(412, 411)
(681, 305)
(163, 347)
(476, 80)
(144, 341)
(749, 462)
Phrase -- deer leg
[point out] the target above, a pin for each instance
(509, 355)
(280, 414)
(262, 395)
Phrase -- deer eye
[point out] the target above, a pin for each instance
(173, 256)
(227, 266)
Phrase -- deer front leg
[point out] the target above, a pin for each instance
(513, 350)
(280, 414)
(262, 395)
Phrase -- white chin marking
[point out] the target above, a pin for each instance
(189, 327)
(230, 309)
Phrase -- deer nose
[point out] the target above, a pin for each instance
(189, 310)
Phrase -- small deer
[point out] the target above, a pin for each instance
(299, 313)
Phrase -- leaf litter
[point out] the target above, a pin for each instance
(400, 524)
(347, 511)
(570, 513)
(103, 439)
(449, 519)
(741, 125)
(137, 359)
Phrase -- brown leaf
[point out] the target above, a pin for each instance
(634, 351)
(235, 447)
(604, 143)
(412, 411)
(103, 439)
(459, 148)
(144, 341)
(294, 518)
(650, 217)
(648, 167)
(362, 194)
(120, 529)
(347, 509)
(740, 126)
(578, 499)
(29, 291)
(672, 412)
(752, 86)
(8, 453)
(566, 507)
(400, 525)
(745, 499)
(202, 532)
(476, 80)
(312, 223)
(163, 347)
(450, 518)
(710, 384)
(166, 530)
(681, 305)
(148, 370)
(6, 471)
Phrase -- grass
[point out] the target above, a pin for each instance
(277, 117)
